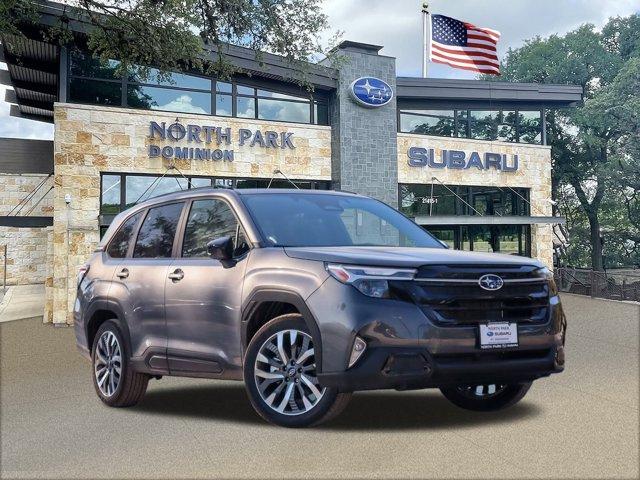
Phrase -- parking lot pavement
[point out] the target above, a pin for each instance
(580, 424)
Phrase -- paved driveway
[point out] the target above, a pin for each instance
(581, 424)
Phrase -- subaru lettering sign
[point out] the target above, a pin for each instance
(371, 92)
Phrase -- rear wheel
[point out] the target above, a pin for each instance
(281, 379)
(486, 397)
(115, 382)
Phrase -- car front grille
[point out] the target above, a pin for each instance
(451, 295)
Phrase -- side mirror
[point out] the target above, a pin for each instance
(221, 248)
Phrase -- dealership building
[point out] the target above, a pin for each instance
(468, 160)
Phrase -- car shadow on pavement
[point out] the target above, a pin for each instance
(380, 410)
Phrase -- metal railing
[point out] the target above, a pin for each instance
(615, 285)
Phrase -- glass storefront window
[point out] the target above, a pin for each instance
(200, 182)
(284, 96)
(246, 107)
(483, 125)
(321, 113)
(158, 98)
(242, 90)
(84, 64)
(92, 81)
(529, 126)
(180, 80)
(95, 92)
(506, 121)
(506, 239)
(224, 87)
(224, 105)
(416, 200)
(110, 201)
(283, 110)
(503, 125)
(141, 188)
(428, 122)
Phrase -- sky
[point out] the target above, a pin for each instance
(397, 25)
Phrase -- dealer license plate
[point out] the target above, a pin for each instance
(498, 335)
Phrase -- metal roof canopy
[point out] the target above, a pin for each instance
(486, 220)
(412, 92)
(20, 155)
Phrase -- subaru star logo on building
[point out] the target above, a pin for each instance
(371, 92)
(490, 282)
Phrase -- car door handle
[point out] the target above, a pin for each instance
(124, 273)
(176, 275)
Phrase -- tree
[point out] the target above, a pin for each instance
(172, 35)
(594, 146)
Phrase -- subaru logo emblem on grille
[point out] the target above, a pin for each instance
(490, 282)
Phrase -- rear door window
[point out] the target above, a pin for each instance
(158, 232)
(119, 244)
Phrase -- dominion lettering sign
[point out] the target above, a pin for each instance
(201, 135)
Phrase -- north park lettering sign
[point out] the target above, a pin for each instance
(457, 159)
(201, 135)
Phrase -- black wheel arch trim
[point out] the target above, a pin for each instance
(112, 306)
(262, 295)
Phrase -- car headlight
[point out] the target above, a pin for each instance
(547, 274)
(370, 281)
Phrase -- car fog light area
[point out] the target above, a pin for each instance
(359, 346)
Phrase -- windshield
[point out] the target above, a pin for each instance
(312, 220)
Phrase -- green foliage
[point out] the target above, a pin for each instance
(172, 35)
(596, 146)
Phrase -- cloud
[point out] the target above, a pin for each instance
(397, 25)
(183, 103)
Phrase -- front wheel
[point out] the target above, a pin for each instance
(486, 397)
(281, 379)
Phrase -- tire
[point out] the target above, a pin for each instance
(127, 388)
(286, 395)
(470, 397)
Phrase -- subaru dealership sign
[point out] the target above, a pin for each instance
(371, 92)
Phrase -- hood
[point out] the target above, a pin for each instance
(404, 256)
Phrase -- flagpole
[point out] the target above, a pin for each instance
(426, 37)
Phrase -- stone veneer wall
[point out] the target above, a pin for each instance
(364, 139)
(534, 172)
(91, 139)
(26, 247)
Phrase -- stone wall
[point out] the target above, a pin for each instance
(364, 139)
(26, 247)
(534, 173)
(89, 140)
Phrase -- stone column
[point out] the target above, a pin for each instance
(363, 140)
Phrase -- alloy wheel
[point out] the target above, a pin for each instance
(285, 373)
(108, 363)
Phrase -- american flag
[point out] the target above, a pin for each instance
(463, 45)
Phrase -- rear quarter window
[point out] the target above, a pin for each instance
(119, 244)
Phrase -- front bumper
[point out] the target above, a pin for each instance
(411, 368)
(406, 350)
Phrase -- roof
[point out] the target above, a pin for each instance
(468, 92)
